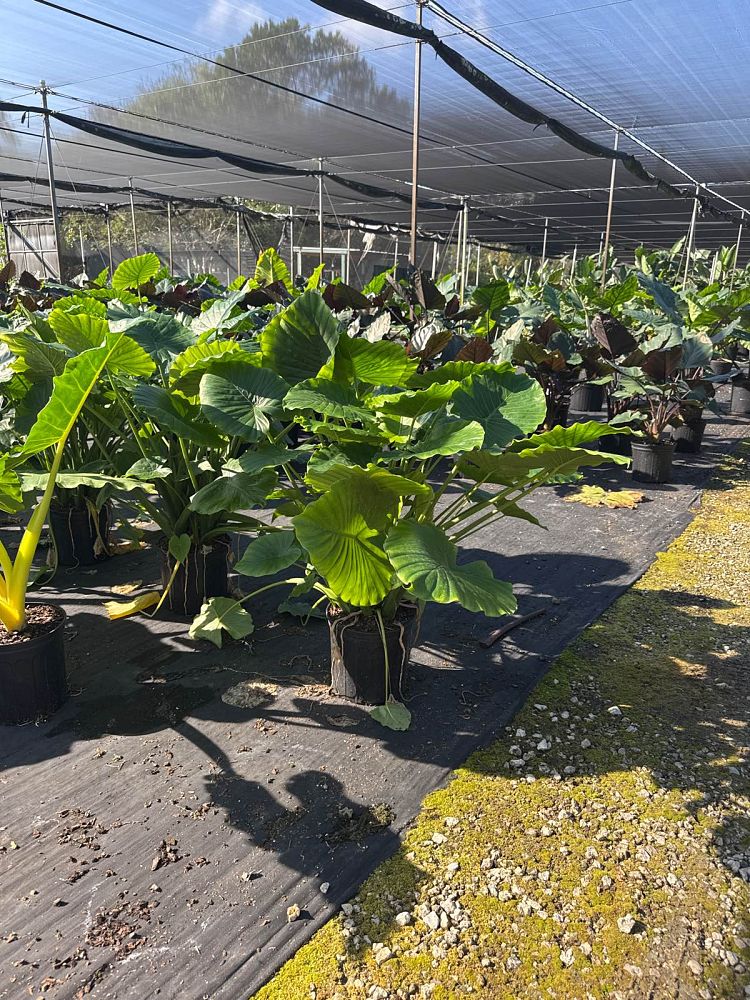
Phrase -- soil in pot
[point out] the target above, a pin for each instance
(32, 666)
(689, 436)
(652, 461)
(587, 398)
(357, 657)
(739, 404)
(204, 574)
(81, 536)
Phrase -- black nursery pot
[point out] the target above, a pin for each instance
(587, 398)
(652, 461)
(81, 539)
(689, 436)
(33, 684)
(739, 404)
(357, 655)
(204, 574)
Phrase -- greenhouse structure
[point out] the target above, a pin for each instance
(374, 500)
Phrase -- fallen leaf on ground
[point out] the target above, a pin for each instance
(597, 496)
(126, 588)
(121, 609)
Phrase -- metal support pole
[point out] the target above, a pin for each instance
(434, 258)
(479, 254)
(4, 224)
(601, 244)
(610, 203)
(464, 245)
(348, 255)
(291, 241)
(691, 238)
(415, 141)
(239, 242)
(321, 243)
(83, 249)
(59, 246)
(132, 215)
(736, 252)
(544, 242)
(395, 253)
(108, 223)
(170, 247)
(573, 262)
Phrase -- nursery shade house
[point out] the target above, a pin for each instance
(520, 108)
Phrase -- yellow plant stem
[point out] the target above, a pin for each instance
(13, 606)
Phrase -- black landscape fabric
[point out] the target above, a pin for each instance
(155, 831)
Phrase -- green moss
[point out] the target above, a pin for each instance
(671, 654)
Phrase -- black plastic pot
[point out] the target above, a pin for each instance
(652, 461)
(689, 436)
(721, 367)
(80, 537)
(739, 404)
(357, 656)
(557, 415)
(587, 398)
(204, 574)
(32, 676)
(617, 444)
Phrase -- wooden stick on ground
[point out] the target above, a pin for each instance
(498, 633)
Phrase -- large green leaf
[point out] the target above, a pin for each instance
(269, 554)
(160, 334)
(78, 331)
(271, 269)
(69, 394)
(94, 480)
(265, 457)
(456, 371)
(221, 614)
(415, 402)
(218, 314)
(380, 363)
(492, 298)
(188, 368)
(241, 400)
(342, 533)
(448, 436)
(135, 271)
(331, 399)
(299, 341)
(175, 415)
(11, 495)
(382, 485)
(233, 492)
(424, 559)
(507, 405)
(34, 358)
(128, 357)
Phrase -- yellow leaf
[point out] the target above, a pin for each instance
(126, 588)
(121, 609)
(596, 496)
(120, 548)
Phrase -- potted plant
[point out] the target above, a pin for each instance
(369, 531)
(32, 658)
(657, 392)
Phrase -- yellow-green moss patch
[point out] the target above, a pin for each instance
(541, 856)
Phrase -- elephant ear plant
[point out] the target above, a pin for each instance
(376, 518)
(32, 666)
